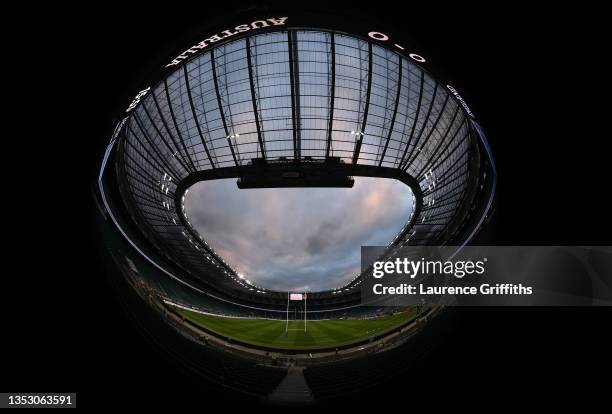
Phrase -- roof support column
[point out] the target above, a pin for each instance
(195, 118)
(359, 134)
(220, 104)
(294, 78)
(332, 94)
(397, 98)
(253, 98)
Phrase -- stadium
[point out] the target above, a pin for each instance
(279, 100)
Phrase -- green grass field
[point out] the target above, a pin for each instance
(320, 334)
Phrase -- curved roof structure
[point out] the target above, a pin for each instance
(311, 104)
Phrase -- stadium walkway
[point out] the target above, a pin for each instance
(292, 389)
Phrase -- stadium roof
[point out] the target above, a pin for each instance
(294, 103)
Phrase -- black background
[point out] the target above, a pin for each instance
(533, 78)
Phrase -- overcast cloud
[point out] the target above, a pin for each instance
(297, 239)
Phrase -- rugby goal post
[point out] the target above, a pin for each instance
(300, 308)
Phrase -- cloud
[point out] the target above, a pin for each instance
(323, 237)
(298, 238)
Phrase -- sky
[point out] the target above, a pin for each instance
(297, 239)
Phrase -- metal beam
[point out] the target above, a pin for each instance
(450, 141)
(449, 196)
(452, 152)
(161, 115)
(368, 90)
(397, 98)
(431, 104)
(173, 151)
(332, 96)
(146, 175)
(456, 166)
(446, 183)
(294, 81)
(416, 118)
(441, 204)
(193, 112)
(231, 147)
(160, 158)
(216, 83)
(255, 111)
(147, 157)
(469, 202)
(434, 154)
(431, 130)
(361, 132)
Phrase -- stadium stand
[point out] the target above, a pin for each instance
(345, 377)
(219, 368)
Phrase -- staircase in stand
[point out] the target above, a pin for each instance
(293, 388)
